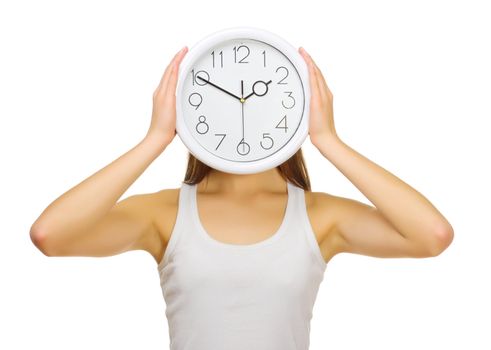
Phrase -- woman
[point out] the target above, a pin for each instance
(241, 257)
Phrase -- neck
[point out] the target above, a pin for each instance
(269, 180)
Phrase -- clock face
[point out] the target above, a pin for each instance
(242, 100)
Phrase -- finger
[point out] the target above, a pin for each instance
(314, 83)
(158, 89)
(320, 77)
(172, 65)
(322, 81)
(323, 87)
(170, 86)
(168, 70)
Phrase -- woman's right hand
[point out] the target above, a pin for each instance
(163, 124)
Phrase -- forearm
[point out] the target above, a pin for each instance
(407, 210)
(83, 205)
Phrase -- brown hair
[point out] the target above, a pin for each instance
(293, 170)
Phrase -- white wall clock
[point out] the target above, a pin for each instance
(242, 100)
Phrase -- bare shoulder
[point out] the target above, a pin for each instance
(164, 213)
(160, 209)
(323, 213)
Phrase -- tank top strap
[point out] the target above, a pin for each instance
(183, 212)
(305, 227)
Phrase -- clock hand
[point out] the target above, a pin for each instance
(254, 92)
(219, 88)
(242, 108)
(242, 105)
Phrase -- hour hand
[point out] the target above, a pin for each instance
(219, 88)
(258, 87)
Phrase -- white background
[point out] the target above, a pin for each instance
(411, 85)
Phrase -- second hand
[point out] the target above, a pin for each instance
(242, 105)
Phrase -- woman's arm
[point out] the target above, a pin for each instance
(403, 222)
(86, 220)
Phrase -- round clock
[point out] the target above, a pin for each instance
(242, 100)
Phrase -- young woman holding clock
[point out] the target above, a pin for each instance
(241, 257)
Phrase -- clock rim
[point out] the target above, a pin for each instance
(295, 141)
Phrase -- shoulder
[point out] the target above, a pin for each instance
(328, 206)
(161, 209)
(165, 213)
(153, 203)
(323, 210)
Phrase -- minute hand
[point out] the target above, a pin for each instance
(219, 88)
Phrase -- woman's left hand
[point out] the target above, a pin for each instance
(321, 122)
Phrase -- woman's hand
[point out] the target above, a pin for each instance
(163, 124)
(321, 122)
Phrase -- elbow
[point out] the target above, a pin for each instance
(39, 238)
(443, 235)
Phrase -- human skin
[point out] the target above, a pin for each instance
(414, 217)
(85, 220)
(88, 219)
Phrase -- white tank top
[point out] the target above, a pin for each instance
(258, 296)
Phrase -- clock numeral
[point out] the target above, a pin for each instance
(286, 75)
(236, 50)
(267, 137)
(221, 58)
(290, 96)
(243, 147)
(282, 127)
(202, 73)
(264, 54)
(220, 140)
(191, 98)
(202, 125)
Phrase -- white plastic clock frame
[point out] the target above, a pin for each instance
(295, 141)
